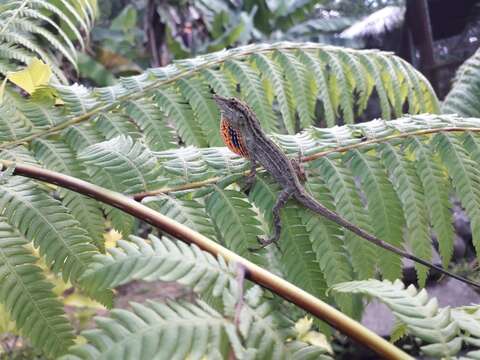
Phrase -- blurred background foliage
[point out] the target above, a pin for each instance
(133, 35)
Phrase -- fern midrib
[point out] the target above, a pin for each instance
(32, 300)
(318, 155)
(387, 138)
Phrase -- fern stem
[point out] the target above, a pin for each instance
(340, 149)
(188, 186)
(255, 273)
(360, 144)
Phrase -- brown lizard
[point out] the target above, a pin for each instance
(243, 135)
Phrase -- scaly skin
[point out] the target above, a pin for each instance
(243, 135)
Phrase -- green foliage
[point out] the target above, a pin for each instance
(184, 329)
(442, 330)
(174, 329)
(177, 95)
(28, 296)
(27, 26)
(462, 98)
(297, 261)
(141, 260)
(125, 138)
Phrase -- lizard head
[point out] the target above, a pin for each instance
(233, 110)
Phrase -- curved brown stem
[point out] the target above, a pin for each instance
(253, 272)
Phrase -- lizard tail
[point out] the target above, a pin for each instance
(309, 202)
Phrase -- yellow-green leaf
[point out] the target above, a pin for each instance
(36, 74)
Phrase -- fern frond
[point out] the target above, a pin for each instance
(465, 177)
(152, 122)
(28, 296)
(159, 259)
(174, 330)
(411, 195)
(281, 87)
(301, 84)
(111, 125)
(391, 81)
(220, 82)
(436, 189)
(297, 260)
(256, 71)
(57, 156)
(384, 209)
(187, 164)
(176, 107)
(235, 219)
(82, 136)
(11, 130)
(25, 28)
(462, 98)
(253, 92)
(339, 180)
(342, 88)
(187, 212)
(78, 100)
(443, 329)
(38, 115)
(43, 220)
(314, 64)
(131, 165)
(19, 25)
(376, 72)
(204, 109)
(327, 243)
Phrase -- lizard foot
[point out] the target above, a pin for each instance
(264, 243)
(248, 184)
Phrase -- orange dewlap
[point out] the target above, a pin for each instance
(233, 139)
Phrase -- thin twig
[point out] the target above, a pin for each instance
(255, 273)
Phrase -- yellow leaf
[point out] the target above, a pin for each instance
(79, 300)
(2, 89)
(319, 340)
(111, 238)
(312, 337)
(36, 74)
(303, 325)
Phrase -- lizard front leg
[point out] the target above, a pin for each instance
(250, 179)
(282, 199)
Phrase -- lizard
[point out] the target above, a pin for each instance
(242, 134)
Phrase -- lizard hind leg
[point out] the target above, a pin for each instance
(282, 199)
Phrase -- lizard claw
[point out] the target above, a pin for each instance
(264, 243)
